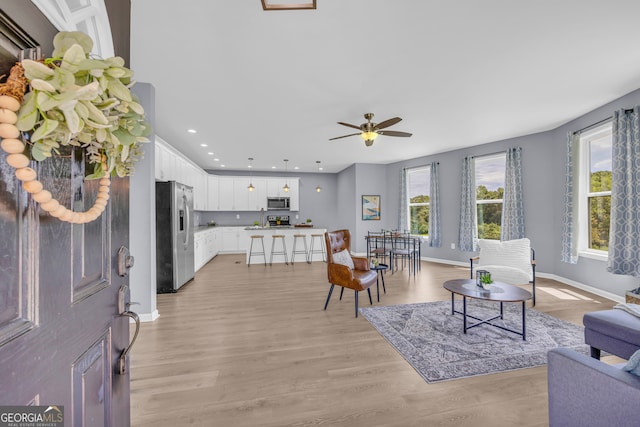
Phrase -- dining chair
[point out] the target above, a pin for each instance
(378, 246)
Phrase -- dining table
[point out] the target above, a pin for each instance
(396, 245)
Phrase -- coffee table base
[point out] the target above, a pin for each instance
(480, 321)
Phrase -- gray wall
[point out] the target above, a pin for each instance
(543, 186)
(142, 217)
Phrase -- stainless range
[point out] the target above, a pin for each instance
(278, 220)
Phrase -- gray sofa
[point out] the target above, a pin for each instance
(584, 391)
(614, 331)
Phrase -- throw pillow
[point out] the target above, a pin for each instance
(343, 257)
(633, 364)
(512, 253)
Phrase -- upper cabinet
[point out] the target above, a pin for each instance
(165, 163)
(222, 192)
(212, 193)
(258, 197)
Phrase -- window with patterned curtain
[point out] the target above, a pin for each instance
(624, 237)
(489, 185)
(418, 187)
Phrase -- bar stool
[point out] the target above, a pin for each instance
(279, 237)
(294, 251)
(252, 253)
(317, 251)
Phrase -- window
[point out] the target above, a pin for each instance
(489, 194)
(418, 185)
(595, 188)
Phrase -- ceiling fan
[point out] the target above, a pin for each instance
(369, 131)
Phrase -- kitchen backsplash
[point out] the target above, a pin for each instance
(238, 218)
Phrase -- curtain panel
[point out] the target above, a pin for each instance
(569, 251)
(468, 231)
(402, 211)
(512, 203)
(435, 227)
(624, 233)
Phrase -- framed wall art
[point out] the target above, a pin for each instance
(370, 208)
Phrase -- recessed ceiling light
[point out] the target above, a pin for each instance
(273, 167)
(216, 160)
(210, 153)
(221, 166)
(321, 169)
(296, 167)
(203, 145)
(192, 131)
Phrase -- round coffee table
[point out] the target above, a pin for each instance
(500, 292)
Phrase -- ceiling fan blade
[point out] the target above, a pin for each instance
(393, 133)
(388, 123)
(344, 136)
(348, 125)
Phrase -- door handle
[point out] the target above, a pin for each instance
(124, 310)
(122, 360)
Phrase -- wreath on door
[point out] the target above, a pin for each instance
(71, 99)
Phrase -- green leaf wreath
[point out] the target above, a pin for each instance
(82, 101)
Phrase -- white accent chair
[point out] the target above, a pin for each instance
(509, 261)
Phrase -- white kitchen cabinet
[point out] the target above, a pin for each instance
(199, 189)
(226, 191)
(234, 239)
(199, 251)
(258, 197)
(164, 163)
(294, 194)
(212, 193)
(275, 187)
(241, 193)
(206, 246)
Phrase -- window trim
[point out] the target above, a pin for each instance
(501, 155)
(584, 169)
(409, 204)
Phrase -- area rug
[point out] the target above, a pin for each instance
(432, 340)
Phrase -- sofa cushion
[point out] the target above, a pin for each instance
(615, 323)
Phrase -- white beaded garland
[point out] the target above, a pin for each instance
(14, 149)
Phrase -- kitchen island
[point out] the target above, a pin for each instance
(288, 233)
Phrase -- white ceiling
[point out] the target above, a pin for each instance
(272, 84)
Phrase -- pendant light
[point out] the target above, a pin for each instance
(251, 187)
(318, 188)
(286, 182)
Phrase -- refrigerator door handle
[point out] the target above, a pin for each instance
(187, 214)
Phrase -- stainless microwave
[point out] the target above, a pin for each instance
(278, 203)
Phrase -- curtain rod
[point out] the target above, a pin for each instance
(591, 126)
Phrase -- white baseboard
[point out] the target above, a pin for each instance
(147, 317)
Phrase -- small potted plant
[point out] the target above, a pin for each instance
(484, 279)
(309, 220)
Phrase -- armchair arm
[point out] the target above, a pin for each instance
(471, 260)
(584, 391)
(360, 263)
(339, 274)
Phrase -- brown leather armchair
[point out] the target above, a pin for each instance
(359, 278)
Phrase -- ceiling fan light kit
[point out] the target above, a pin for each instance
(369, 131)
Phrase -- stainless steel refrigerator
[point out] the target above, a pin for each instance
(174, 236)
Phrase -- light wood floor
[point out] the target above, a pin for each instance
(252, 346)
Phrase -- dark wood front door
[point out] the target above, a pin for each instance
(61, 328)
